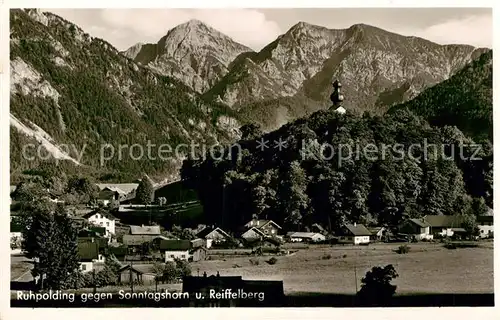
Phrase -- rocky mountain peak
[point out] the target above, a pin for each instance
(192, 52)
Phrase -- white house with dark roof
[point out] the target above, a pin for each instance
(102, 218)
(355, 233)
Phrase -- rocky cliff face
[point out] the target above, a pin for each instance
(192, 52)
(74, 93)
(377, 68)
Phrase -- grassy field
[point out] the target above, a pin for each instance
(427, 268)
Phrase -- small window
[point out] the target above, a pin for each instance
(107, 224)
(98, 216)
(100, 223)
(172, 256)
(84, 267)
(183, 256)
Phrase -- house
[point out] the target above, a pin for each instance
(102, 218)
(416, 228)
(306, 237)
(268, 227)
(213, 235)
(141, 234)
(89, 255)
(142, 274)
(116, 191)
(110, 194)
(355, 233)
(16, 236)
(377, 233)
(264, 293)
(253, 233)
(145, 230)
(317, 228)
(182, 250)
(485, 225)
(445, 225)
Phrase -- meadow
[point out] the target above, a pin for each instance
(427, 268)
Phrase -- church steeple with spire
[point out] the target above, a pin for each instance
(337, 97)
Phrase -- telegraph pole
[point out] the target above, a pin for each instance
(355, 273)
(93, 277)
(131, 278)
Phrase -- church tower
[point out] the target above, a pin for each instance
(337, 97)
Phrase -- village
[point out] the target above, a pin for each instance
(135, 236)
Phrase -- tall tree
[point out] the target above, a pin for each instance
(51, 239)
(145, 191)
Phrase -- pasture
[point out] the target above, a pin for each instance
(427, 268)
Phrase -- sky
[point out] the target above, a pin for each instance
(256, 28)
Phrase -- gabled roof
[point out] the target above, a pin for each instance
(114, 189)
(146, 230)
(205, 232)
(419, 222)
(87, 251)
(256, 230)
(261, 223)
(101, 211)
(123, 187)
(357, 230)
(128, 267)
(318, 226)
(92, 231)
(270, 222)
(375, 230)
(304, 234)
(444, 221)
(175, 245)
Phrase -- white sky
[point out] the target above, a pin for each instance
(257, 27)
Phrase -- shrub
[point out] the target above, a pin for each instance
(344, 256)
(273, 260)
(403, 249)
(326, 257)
(376, 285)
(254, 262)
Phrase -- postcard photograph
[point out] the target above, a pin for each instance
(327, 157)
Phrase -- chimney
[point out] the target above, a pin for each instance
(204, 274)
(354, 223)
(218, 275)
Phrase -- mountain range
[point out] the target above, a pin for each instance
(197, 84)
(292, 76)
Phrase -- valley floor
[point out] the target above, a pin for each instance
(427, 268)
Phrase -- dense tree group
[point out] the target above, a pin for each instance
(382, 169)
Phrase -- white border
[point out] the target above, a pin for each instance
(266, 313)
